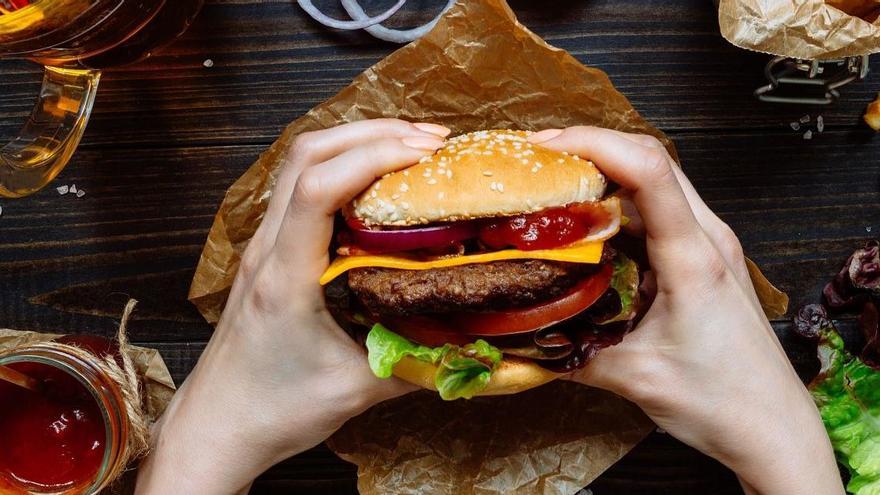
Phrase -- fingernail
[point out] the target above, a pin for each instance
(436, 129)
(544, 136)
(423, 143)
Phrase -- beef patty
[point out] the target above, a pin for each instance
(479, 286)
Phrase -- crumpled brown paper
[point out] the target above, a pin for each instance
(479, 68)
(805, 29)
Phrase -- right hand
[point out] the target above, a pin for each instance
(704, 362)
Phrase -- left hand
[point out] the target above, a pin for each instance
(279, 375)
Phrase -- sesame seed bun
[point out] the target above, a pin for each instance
(476, 175)
(512, 376)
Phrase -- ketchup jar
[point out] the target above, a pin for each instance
(70, 437)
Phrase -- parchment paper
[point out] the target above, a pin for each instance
(479, 68)
(806, 29)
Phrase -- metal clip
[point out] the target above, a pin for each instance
(810, 82)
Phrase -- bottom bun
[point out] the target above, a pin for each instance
(513, 375)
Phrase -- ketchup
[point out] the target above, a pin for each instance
(547, 229)
(53, 439)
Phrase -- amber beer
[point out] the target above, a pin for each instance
(74, 39)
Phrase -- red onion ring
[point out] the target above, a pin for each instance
(385, 241)
(362, 22)
(355, 10)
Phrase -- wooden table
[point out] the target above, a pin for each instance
(170, 134)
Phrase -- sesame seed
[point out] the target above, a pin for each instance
(404, 187)
(424, 159)
(487, 173)
(503, 151)
(525, 161)
(487, 152)
(441, 195)
(528, 152)
(517, 155)
(406, 173)
(534, 169)
(432, 181)
(565, 153)
(449, 173)
(405, 205)
(373, 194)
(395, 196)
(561, 160)
(538, 164)
(576, 158)
(493, 186)
(500, 187)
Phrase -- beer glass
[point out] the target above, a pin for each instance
(74, 40)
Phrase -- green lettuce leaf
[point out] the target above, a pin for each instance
(847, 392)
(462, 371)
(625, 281)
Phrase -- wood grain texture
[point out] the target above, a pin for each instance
(169, 135)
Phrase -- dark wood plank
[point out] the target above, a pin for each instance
(272, 63)
(69, 264)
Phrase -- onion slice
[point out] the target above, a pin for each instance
(355, 10)
(362, 22)
(610, 229)
(387, 241)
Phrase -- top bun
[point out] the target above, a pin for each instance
(480, 174)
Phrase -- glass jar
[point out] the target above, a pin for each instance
(46, 427)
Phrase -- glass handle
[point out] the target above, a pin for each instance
(52, 132)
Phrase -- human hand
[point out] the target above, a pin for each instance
(279, 375)
(704, 362)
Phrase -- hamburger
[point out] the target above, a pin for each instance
(487, 268)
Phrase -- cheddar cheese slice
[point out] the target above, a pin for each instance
(589, 252)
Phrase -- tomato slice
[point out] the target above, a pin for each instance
(462, 328)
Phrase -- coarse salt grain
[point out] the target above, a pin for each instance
(820, 124)
(80, 193)
(1, 211)
(795, 126)
(208, 63)
(808, 134)
(73, 188)
(62, 190)
(804, 119)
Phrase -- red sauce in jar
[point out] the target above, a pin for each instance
(51, 439)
